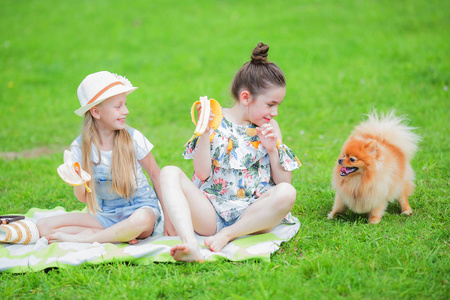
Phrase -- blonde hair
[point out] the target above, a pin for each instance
(123, 165)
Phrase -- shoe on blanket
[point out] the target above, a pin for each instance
(19, 232)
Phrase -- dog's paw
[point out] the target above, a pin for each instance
(330, 216)
(374, 220)
(407, 212)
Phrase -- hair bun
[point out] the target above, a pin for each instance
(259, 54)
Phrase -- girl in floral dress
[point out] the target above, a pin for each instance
(242, 170)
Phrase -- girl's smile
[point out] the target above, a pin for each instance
(112, 113)
(264, 107)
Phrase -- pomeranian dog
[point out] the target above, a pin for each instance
(374, 167)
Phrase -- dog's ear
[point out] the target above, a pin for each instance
(371, 147)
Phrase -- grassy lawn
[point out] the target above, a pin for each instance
(340, 58)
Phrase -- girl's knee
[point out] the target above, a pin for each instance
(143, 218)
(169, 172)
(170, 169)
(44, 226)
(287, 193)
(287, 188)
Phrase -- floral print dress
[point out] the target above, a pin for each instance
(240, 171)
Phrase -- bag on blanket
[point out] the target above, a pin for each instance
(18, 230)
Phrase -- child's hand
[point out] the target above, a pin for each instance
(267, 137)
(211, 116)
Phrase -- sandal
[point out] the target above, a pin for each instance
(18, 230)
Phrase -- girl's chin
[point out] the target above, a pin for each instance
(120, 126)
(261, 122)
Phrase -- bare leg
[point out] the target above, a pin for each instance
(262, 216)
(72, 223)
(338, 207)
(139, 224)
(188, 209)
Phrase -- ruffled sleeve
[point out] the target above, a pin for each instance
(190, 149)
(288, 159)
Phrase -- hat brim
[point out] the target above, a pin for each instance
(115, 90)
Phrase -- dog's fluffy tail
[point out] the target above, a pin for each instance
(392, 129)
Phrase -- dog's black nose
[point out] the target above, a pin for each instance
(340, 161)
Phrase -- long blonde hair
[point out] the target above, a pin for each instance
(123, 165)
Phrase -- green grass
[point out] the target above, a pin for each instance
(340, 58)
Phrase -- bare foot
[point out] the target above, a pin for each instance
(133, 242)
(62, 237)
(83, 237)
(187, 252)
(217, 242)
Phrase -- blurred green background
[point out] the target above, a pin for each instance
(341, 59)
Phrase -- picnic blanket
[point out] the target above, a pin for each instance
(39, 256)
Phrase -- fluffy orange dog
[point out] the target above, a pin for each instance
(374, 167)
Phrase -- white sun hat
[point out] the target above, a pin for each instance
(97, 87)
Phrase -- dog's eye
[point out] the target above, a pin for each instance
(352, 159)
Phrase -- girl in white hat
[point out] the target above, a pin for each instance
(122, 206)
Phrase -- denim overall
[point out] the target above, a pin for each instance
(115, 208)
